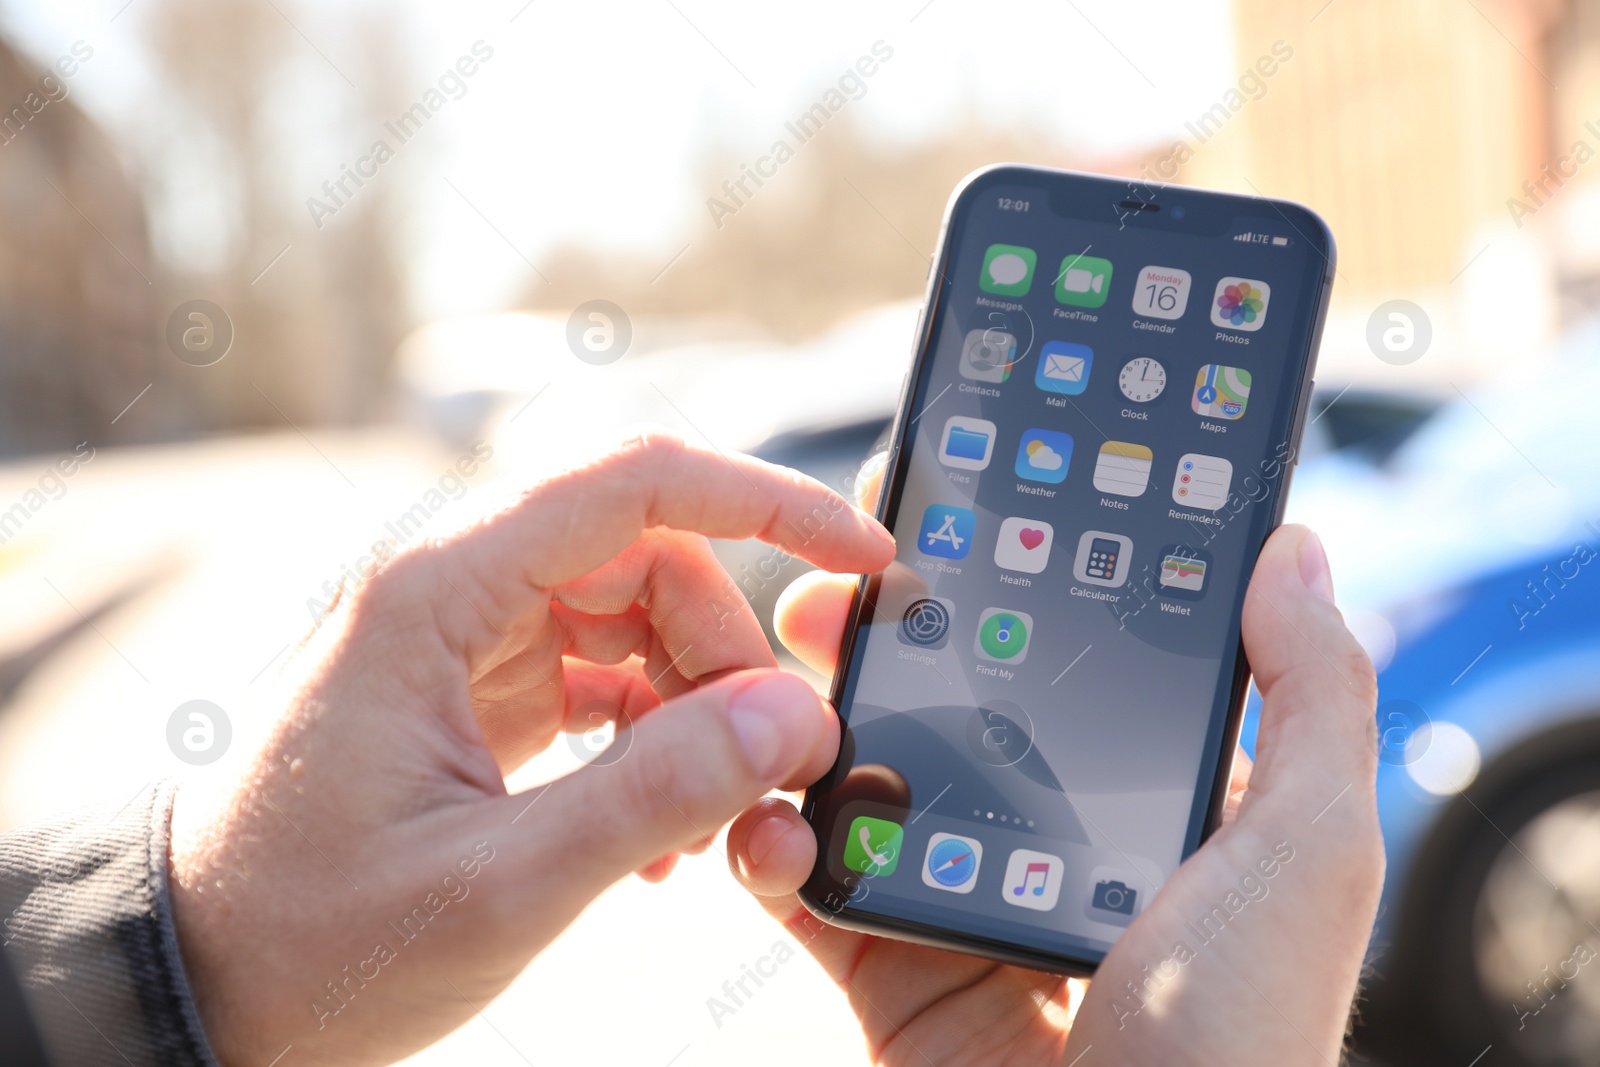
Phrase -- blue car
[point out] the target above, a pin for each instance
(1468, 561)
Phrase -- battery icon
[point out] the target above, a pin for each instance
(1280, 240)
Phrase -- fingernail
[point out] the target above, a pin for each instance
(764, 836)
(1314, 567)
(774, 719)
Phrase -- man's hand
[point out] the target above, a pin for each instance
(1295, 872)
(368, 883)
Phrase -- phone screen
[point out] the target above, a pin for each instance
(1040, 694)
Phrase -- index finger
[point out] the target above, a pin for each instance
(482, 580)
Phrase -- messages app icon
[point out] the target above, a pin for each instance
(1064, 367)
(1007, 270)
(1043, 456)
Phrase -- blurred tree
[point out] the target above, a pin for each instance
(76, 295)
(316, 332)
(846, 224)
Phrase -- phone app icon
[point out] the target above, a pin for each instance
(1003, 635)
(1102, 558)
(873, 846)
(1221, 392)
(1007, 270)
(1024, 545)
(1123, 468)
(952, 863)
(946, 531)
(1043, 456)
(1084, 281)
(1184, 570)
(1202, 481)
(1064, 367)
(988, 354)
(926, 622)
(1240, 303)
(967, 443)
(1161, 292)
(1033, 880)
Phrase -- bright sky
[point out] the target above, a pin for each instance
(588, 122)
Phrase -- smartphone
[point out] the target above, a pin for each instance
(1042, 694)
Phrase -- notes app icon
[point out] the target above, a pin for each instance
(1033, 880)
(1123, 468)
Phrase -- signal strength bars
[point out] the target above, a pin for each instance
(1261, 239)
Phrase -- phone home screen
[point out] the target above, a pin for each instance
(1037, 696)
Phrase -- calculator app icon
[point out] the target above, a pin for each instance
(1102, 558)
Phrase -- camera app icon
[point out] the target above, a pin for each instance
(1114, 896)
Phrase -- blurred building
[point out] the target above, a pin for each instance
(1421, 132)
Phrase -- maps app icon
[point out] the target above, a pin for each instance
(1221, 392)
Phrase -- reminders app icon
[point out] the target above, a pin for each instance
(967, 443)
(1202, 481)
(1064, 367)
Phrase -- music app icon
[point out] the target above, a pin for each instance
(1033, 880)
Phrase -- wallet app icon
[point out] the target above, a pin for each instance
(1064, 367)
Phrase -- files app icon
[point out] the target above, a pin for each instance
(967, 443)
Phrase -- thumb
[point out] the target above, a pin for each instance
(1317, 685)
(689, 767)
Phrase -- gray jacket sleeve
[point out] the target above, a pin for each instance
(88, 932)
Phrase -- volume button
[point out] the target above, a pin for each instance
(1299, 439)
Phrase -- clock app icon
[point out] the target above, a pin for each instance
(1142, 379)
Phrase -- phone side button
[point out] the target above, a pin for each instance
(1297, 435)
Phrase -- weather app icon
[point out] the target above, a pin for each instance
(1043, 456)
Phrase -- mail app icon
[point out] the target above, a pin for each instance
(1064, 367)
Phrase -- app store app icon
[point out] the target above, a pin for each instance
(946, 531)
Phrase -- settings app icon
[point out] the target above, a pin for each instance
(926, 623)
